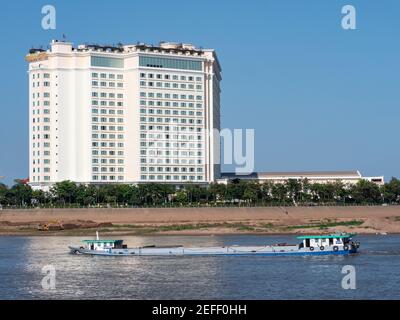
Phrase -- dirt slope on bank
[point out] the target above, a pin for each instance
(362, 219)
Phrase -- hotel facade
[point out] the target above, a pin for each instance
(125, 114)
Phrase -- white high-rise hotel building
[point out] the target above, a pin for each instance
(127, 114)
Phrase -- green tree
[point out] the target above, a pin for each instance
(20, 193)
(252, 192)
(266, 192)
(366, 192)
(235, 190)
(305, 196)
(64, 192)
(124, 193)
(218, 192)
(3, 194)
(294, 188)
(391, 191)
(39, 197)
(181, 197)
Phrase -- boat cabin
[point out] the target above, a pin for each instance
(103, 244)
(325, 240)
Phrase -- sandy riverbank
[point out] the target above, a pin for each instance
(194, 221)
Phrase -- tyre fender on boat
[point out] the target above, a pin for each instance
(311, 248)
(335, 248)
(321, 248)
(346, 247)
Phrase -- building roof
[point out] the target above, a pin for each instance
(328, 236)
(102, 241)
(288, 174)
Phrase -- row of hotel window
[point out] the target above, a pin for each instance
(105, 178)
(169, 104)
(45, 178)
(168, 177)
(37, 128)
(111, 120)
(105, 161)
(107, 152)
(173, 120)
(168, 128)
(45, 111)
(171, 169)
(45, 144)
(37, 76)
(104, 103)
(181, 145)
(107, 145)
(37, 95)
(174, 112)
(110, 111)
(37, 84)
(168, 153)
(180, 137)
(45, 136)
(46, 103)
(37, 161)
(107, 169)
(111, 95)
(37, 120)
(149, 76)
(107, 128)
(143, 152)
(45, 169)
(168, 77)
(175, 85)
(168, 161)
(110, 76)
(107, 136)
(37, 153)
(110, 84)
(149, 111)
(160, 95)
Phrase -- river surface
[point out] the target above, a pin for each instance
(27, 266)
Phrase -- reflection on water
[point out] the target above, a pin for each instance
(191, 277)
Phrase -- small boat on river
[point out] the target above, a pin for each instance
(335, 244)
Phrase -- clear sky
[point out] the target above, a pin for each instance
(319, 97)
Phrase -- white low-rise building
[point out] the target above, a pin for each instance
(346, 177)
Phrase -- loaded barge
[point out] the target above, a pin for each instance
(338, 244)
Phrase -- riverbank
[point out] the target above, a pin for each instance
(201, 221)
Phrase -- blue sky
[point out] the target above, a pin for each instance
(319, 97)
